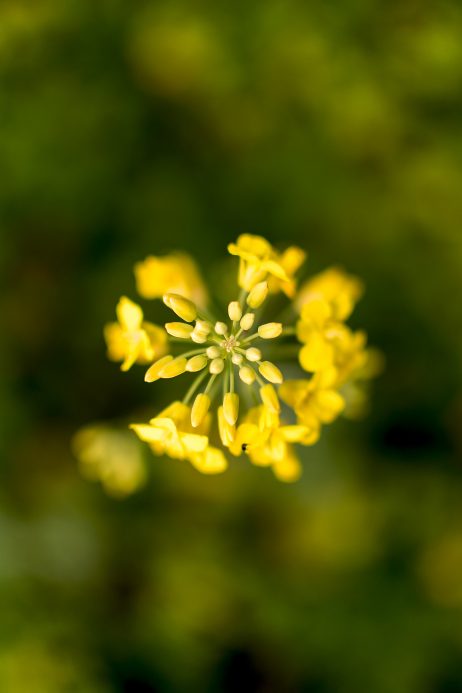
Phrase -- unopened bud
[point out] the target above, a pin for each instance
(237, 359)
(226, 430)
(174, 368)
(231, 407)
(253, 354)
(183, 307)
(247, 321)
(179, 329)
(234, 311)
(213, 352)
(221, 328)
(196, 363)
(270, 372)
(199, 409)
(216, 366)
(153, 371)
(257, 295)
(247, 375)
(270, 330)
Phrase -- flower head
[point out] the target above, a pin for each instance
(231, 358)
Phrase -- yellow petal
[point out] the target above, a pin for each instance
(129, 314)
(211, 461)
(270, 398)
(288, 469)
(317, 354)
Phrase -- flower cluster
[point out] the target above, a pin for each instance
(230, 358)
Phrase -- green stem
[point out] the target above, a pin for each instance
(210, 383)
(194, 387)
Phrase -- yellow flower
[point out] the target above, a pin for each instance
(131, 340)
(110, 456)
(259, 260)
(268, 443)
(170, 433)
(340, 290)
(314, 401)
(177, 274)
(229, 356)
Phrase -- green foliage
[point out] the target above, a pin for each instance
(136, 128)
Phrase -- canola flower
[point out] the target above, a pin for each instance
(233, 402)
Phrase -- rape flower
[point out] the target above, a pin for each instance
(314, 401)
(176, 273)
(231, 356)
(110, 456)
(340, 290)
(260, 261)
(131, 339)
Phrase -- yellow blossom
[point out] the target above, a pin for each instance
(227, 356)
(334, 286)
(110, 456)
(314, 401)
(131, 340)
(176, 273)
(259, 260)
(171, 433)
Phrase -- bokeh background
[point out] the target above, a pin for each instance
(136, 128)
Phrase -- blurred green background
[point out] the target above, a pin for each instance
(136, 128)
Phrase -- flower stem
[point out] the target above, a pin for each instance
(194, 387)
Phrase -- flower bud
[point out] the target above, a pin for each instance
(270, 330)
(203, 327)
(221, 328)
(179, 329)
(253, 354)
(183, 307)
(237, 359)
(198, 337)
(174, 368)
(216, 366)
(257, 295)
(199, 409)
(234, 311)
(270, 398)
(196, 363)
(153, 371)
(226, 430)
(231, 407)
(270, 372)
(213, 352)
(247, 375)
(247, 321)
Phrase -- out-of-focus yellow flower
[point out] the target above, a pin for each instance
(259, 261)
(112, 457)
(315, 401)
(177, 274)
(339, 289)
(131, 340)
(171, 433)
